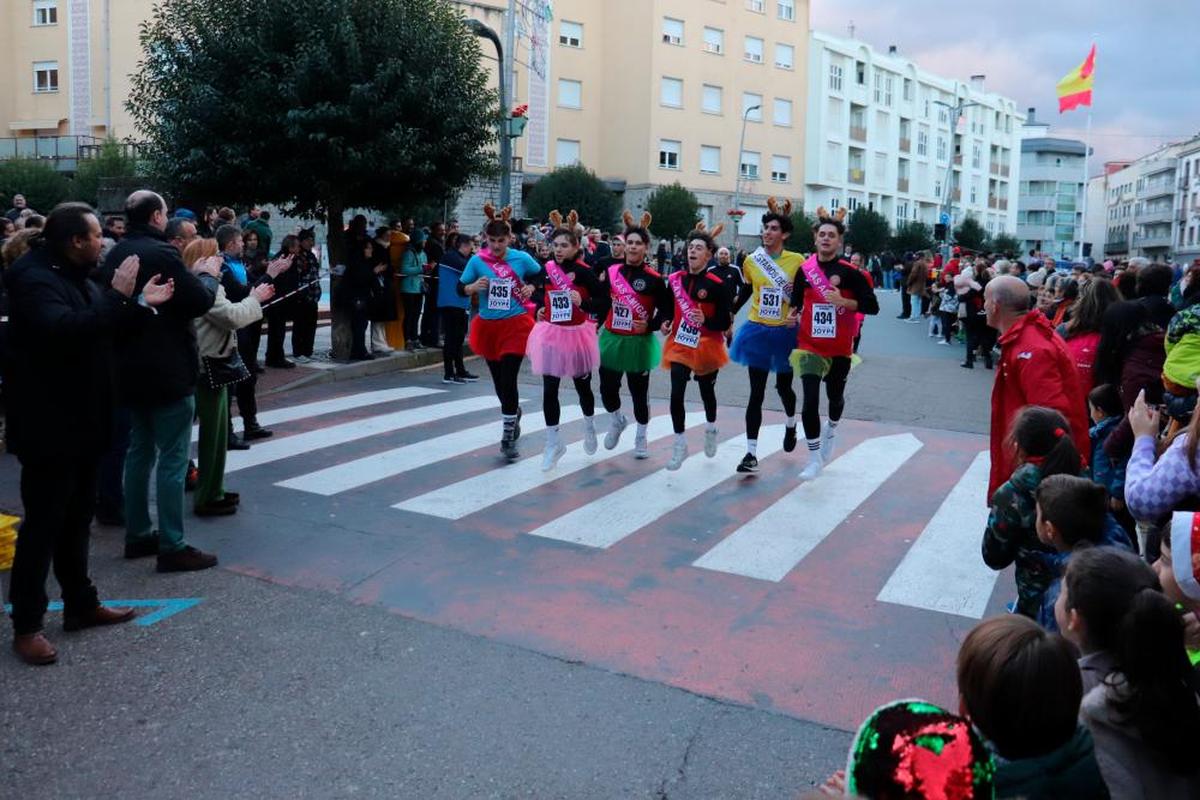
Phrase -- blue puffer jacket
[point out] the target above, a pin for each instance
(1105, 470)
(1113, 535)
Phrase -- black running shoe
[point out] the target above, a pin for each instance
(789, 438)
(749, 464)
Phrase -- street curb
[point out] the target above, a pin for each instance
(398, 362)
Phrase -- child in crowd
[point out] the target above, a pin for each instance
(1020, 687)
(1042, 438)
(1071, 514)
(1141, 707)
(1106, 409)
(1178, 570)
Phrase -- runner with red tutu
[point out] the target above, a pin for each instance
(696, 339)
(764, 343)
(828, 292)
(500, 277)
(639, 302)
(563, 343)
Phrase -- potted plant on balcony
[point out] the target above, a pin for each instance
(517, 120)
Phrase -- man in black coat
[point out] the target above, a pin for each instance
(60, 400)
(157, 368)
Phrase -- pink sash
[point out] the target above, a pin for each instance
(626, 294)
(817, 279)
(559, 278)
(505, 272)
(681, 296)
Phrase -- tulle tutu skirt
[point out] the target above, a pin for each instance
(493, 338)
(620, 353)
(563, 351)
(766, 347)
(708, 356)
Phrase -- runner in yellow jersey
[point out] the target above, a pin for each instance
(765, 341)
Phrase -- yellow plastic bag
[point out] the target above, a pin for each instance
(8, 540)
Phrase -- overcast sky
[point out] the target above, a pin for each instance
(1147, 89)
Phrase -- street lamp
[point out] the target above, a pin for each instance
(486, 32)
(948, 204)
(737, 186)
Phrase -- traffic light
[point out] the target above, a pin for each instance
(939, 232)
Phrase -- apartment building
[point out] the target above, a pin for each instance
(879, 133)
(649, 92)
(1053, 182)
(1187, 203)
(66, 65)
(1141, 202)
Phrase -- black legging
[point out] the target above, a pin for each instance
(550, 406)
(680, 375)
(835, 390)
(949, 318)
(758, 393)
(504, 378)
(454, 323)
(639, 390)
(412, 318)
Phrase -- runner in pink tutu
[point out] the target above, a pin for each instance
(563, 343)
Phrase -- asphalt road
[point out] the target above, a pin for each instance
(268, 690)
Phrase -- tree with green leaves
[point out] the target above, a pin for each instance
(44, 187)
(802, 239)
(675, 210)
(314, 105)
(970, 235)
(577, 188)
(867, 231)
(113, 161)
(911, 237)
(1005, 243)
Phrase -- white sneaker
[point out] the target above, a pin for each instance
(828, 442)
(678, 454)
(640, 448)
(710, 443)
(813, 468)
(619, 423)
(552, 455)
(589, 440)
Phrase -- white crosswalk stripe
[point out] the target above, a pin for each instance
(769, 546)
(266, 451)
(604, 522)
(943, 570)
(466, 497)
(334, 405)
(399, 460)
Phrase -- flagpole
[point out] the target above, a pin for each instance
(1087, 152)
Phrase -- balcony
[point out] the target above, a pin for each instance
(1148, 241)
(958, 160)
(1154, 215)
(993, 202)
(1116, 247)
(905, 145)
(1160, 188)
(63, 151)
(956, 195)
(1005, 170)
(857, 176)
(902, 184)
(858, 133)
(993, 168)
(1004, 204)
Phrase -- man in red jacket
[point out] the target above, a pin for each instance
(1035, 369)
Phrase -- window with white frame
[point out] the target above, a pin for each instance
(672, 92)
(751, 100)
(566, 152)
(901, 212)
(878, 87)
(754, 49)
(786, 9)
(711, 99)
(570, 34)
(714, 40)
(710, 159)
(668, 153)
(45, 77)
(781, 169)
(941, 149)
(672, 31)
(888, 85)
(852, 203)
(45, 12)
(785, 56)
(782, 112)
(909, 92)
(750, 165)
(937, 188)
(977, 156)
(835, 78)
(570, 93)
(757, 6)
(974, 193)
(835, 203)
(922, 143)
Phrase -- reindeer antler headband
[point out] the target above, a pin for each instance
(627, 217)
(776, 207)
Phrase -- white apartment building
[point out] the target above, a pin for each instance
(877, 135)
(1095, 228)
(1051, 194)
(1142, 217)
(1187, 203)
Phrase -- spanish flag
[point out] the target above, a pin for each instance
(1076, 88)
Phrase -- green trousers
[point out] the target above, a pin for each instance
(212, 407)
(162, 434)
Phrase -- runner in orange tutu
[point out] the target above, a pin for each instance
(696, 339)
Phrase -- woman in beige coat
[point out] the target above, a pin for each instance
(215, 336)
